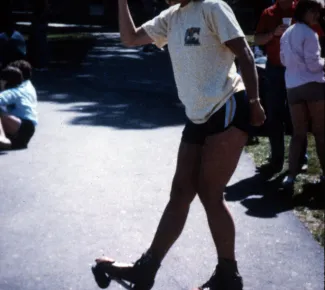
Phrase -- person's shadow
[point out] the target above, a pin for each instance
(265, 198)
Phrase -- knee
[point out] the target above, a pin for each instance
(211, 197)
(182, 193)
(299, 136)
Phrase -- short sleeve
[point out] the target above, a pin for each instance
(157, 28)
(222, 21)
(7, 97)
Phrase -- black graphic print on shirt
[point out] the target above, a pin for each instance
(192, 36)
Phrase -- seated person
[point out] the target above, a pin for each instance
(20, 98)
(12, 45)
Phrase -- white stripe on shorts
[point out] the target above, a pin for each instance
(230, 110)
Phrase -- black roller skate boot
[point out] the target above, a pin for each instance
(140, 275)
(223, 279)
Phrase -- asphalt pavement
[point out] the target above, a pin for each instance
(96, 177)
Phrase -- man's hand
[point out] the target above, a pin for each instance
(257, 114)
(280, 30)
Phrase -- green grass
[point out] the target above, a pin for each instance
(312, 216)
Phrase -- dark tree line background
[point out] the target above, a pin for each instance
(77, 11)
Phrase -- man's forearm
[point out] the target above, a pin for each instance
(127, 27)
(249, 74)
(263, 38)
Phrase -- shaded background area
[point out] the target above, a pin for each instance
(118, 86)
(104, 12)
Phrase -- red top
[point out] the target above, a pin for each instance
(318, 29)
(270, 19)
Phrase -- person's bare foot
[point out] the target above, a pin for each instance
(5, 143)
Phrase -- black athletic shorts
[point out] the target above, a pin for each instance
(21, 139)
(234, 113)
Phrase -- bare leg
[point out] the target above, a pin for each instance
(299, 115)
(220, 157)
(317, 112)
(4, 141)
(183, 192)
(11, 124)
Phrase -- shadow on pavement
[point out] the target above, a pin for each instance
(265, 199)
(110, 85)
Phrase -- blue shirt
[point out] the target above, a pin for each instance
(21, 101)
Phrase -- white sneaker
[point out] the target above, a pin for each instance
(288, 181)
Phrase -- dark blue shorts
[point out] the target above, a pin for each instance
(21, 139)
(234, 113)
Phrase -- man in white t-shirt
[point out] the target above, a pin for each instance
(203, 38)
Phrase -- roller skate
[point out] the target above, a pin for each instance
(223, 280)
(140, 275)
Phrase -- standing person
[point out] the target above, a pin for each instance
(268, 33)
(260, 6)
(38, 46)
(12, 44)
(204, 38)
(301, 55)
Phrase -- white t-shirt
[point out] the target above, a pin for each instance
(21, 101)
(203, 65)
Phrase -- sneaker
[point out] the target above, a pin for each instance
(141, 274)
(304, 166)
(288, 182)
(222, 280)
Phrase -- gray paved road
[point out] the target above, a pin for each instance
(96, 178)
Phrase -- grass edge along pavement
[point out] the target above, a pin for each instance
(312, 217)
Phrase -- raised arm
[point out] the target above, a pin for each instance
(264, 34)
(263, 38)
(130, 35)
